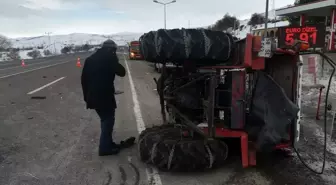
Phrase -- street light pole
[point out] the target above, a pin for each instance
(164, 10)
(165, 16)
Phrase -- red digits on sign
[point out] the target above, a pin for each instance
(304, 37)
(313, 37)
(290, 39)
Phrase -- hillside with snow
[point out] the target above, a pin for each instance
(55, 43)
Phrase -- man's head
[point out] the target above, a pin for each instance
(109, 45)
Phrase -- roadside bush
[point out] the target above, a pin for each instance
(34, 54)
(65, 50)
(47, 52)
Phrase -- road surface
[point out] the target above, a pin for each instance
(48, 137)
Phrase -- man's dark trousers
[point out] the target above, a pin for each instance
(107, 119)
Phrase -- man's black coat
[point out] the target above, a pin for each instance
(98, 79)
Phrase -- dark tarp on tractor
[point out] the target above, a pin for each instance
(272, 113)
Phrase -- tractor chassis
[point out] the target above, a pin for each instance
(210, 130)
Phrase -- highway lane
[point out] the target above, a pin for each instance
(15, 67)
(7, 65)
(54, 140)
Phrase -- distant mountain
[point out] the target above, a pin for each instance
(56, 42)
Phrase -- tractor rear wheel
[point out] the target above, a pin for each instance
(169, 149)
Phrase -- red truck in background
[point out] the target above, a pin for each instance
(134, 50)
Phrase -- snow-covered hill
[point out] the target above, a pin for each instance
(56, 42)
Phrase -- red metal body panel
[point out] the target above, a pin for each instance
(251, 59)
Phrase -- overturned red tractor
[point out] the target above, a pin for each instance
(220, 89)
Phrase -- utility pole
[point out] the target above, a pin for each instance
(54, 48)
(234, 27)
(48, 33)
(164, 10)
(274, 13)
(266, 18)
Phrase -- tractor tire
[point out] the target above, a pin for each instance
(150, 136)
(189, 155)
(169, 150)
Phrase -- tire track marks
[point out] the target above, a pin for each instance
(123, 175)
(137, 173)
(109, 178)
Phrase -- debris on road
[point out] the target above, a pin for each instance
(38, 97)
(118, 92)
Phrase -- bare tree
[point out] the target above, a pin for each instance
(4, 43)
(256, 19)
(226, 22)
(13, 54)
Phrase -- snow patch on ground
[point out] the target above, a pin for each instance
(3, 56)
(331, 146)
(329, 174)
(24, 54)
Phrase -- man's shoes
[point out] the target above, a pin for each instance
(112, 151)
(127, 143)
(115, 149)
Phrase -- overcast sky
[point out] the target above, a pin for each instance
(35, 17)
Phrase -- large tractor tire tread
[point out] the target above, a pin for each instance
(169, 150)
(154, 129)
(150, 136)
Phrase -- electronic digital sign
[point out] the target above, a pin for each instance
(314, 35)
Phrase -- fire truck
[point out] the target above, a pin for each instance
(134, 52)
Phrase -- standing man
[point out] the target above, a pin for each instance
(98, 88)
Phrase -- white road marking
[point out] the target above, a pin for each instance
(43, 67)
(152, 174)
(20, 66)
(46, 85)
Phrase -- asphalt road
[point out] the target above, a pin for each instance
(48, 137)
